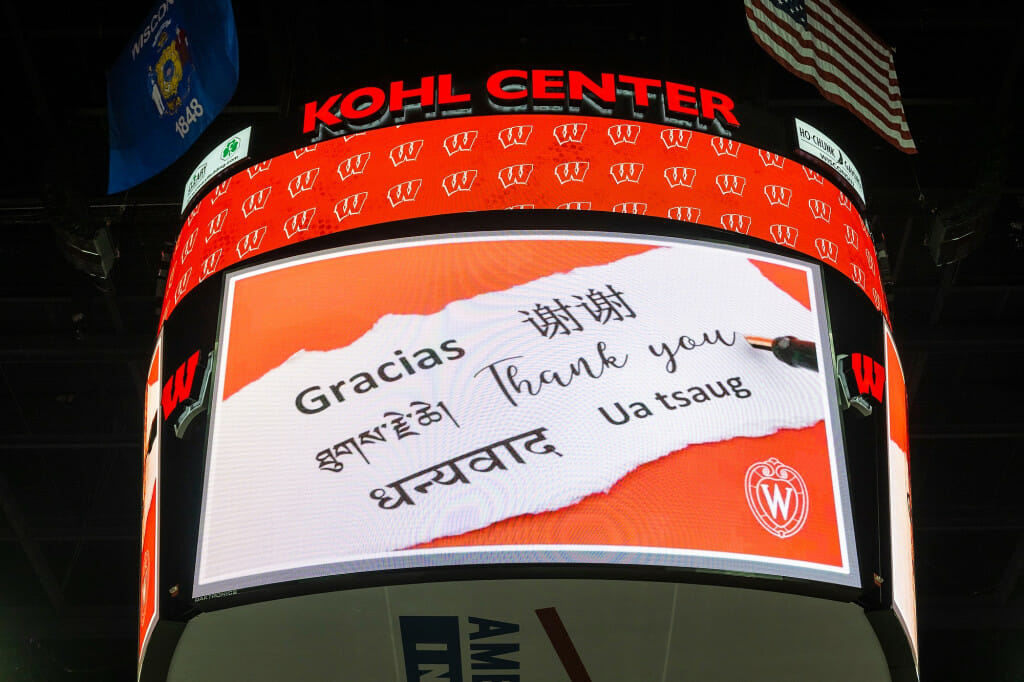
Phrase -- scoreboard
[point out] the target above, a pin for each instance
(525, 348)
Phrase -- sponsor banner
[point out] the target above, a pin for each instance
(904, 597)
(228, 153)
(520, 398)
(533, 161)
(149, 604)
(173, 78)
(819, 145)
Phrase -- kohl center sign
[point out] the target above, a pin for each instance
(513, 90)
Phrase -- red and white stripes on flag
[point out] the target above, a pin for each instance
(822, 43)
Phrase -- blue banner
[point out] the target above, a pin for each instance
(178, 71)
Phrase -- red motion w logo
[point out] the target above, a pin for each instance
(514, 135)
(730, 184)
(674, 137)
(460, 142)
(626, 172)
(179, 387)
(570, 132)
(461, 181)
(515, 175)
(869, 374)
(350, 206)
(210, 264)
(353, 165)
(250, 242)
(771, 159)
(623, 133)
(680, 176)
(634, 207)
(299, 222)
(690, 214)
(404, 191)
(571, 171)
(407, 151)
(255, 201)
(303, 182)
(216, 224)
(258, 168)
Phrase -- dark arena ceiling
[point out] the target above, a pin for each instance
(73, 348)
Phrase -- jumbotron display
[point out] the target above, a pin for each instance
(528, 343)
(534, 397)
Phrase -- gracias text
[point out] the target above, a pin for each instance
(315, 399)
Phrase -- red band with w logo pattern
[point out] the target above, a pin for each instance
(527, 161)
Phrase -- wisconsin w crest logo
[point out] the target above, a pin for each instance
(777, 497)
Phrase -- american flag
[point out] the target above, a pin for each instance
(822, 43)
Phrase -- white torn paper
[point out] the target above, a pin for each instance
(566, 415)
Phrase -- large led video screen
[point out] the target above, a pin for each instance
(904, 597)
(522, 163)
(149, 560)
(524, 397)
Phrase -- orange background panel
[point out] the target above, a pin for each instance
(327, 312)
(148, 588)
(690, 499)
(897, 397)
(790, 280)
